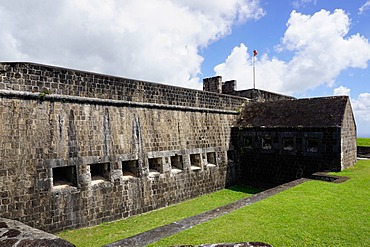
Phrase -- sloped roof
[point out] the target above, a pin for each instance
(309, 112)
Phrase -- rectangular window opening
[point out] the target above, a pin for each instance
(100, 172)
(130, 168)
(267, 142)
(312, 145)
(155, 165)
(288, 144)
(195, 161)
(65, 176)
(211, 159)
(177, 164)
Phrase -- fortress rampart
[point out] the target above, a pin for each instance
(80, 148)
(29, 77)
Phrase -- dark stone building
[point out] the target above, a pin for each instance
(283, 140)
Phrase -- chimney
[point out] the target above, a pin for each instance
(213, 84)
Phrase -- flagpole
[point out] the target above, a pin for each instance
(254, 68)
(254, 72)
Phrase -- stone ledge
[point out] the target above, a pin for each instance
(243, 244)
(15, 233)
(99, 101)
(323, 176)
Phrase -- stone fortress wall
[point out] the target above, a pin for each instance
(80, 148)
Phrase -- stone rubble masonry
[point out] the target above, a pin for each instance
(348, 139)
(15, 233)
(78, 149)
(30, 77)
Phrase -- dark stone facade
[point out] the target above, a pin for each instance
(280, 141)
(288, 155)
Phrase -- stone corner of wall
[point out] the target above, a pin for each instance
(15, 233)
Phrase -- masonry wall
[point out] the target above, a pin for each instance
(74, 158)
(215, 84)
(273, 156)
(261, 95)
(348, 143)
(29, 77)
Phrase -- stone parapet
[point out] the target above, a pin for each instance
(44, 79)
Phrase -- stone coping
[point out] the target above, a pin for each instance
(323, 176)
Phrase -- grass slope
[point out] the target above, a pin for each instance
(114, 231)
(312, 214)
(363, 142)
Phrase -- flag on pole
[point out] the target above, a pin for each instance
(255, 53)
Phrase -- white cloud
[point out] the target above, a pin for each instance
(321, 51)
(364, 7)
(361, 106)
(239, 66)
(155, 40)
(342, 91)
(235, 65)
(361, 109)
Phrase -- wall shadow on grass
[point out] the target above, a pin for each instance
(244, 189)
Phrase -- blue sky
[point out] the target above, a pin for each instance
(306, 48)
(266, 34)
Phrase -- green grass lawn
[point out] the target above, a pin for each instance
(114, 231)
(364, 142)
(314, 213)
